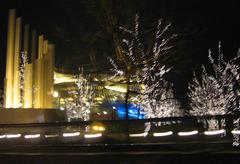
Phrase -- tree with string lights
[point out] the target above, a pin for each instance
(215, 94)
(137, 65)
(82, 99)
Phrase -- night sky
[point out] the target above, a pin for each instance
(77, 28)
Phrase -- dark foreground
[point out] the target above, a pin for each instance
(220, 152)
(182, 140)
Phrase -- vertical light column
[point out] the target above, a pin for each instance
(10, 59)
(16, 74)
(27, 91)
(27, 97)
(33, 46)
(40, 46)
(51, 52)
(33, 61)
(49, 75)
(45, 73)
(26, 39)
(38, 98)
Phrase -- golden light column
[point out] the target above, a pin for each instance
(27, 91)
(33, 61)
(38, 79)
(10, 59)
(49, 72)
(38, 72)
(45, 72)
(16, 75)
(44, 65)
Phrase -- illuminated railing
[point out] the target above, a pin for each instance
(155, 130)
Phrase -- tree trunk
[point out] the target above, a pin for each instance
(126, 98)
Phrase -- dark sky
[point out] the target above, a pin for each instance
(76, 27)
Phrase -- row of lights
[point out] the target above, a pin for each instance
(32, 136)
(186, 133)
(97, 135)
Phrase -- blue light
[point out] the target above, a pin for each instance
(134, 112)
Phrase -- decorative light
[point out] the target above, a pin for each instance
(74, 134)
(51, 135)
(155, 94)
(13, 135)
(139, 134)
(190, 133)
(32, 136)
(98, 128)
(55, 94)
(101, 128)
(2, 136)
(162, 134)
(235, 131)
(214, 132)
(79, 107)
(215, 94)
(93, 135)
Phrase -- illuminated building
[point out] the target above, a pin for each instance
(37, 88)
(42, 86)
(109, 96)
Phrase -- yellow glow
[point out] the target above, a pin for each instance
(62, 101)
(101, 128)
(70, 99)
(63, 78)
(95, 127)
(55, 94)
(121, 89)
(98, 98)
(27, 96)
(98, 128)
